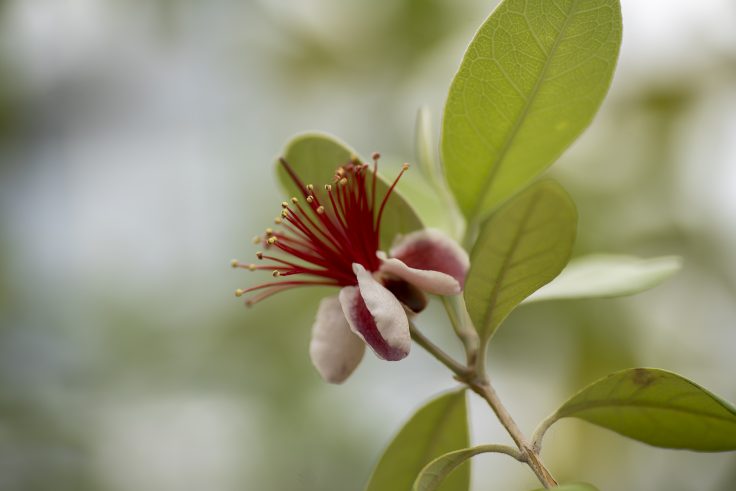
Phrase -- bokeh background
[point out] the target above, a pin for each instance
(136, 149)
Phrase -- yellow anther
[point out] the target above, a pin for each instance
(310, 199)
(375, 156)
(269, 231)
(256, 239)
(252, 267)
(405, 166)
(239, 292)
(284, 213)
(284, 204)
(310, 187)
(272, 240)
(234, 263)
(320, 209)
(328, 188)
(275, 273)
(343, 181)
(277, 220)
(294, 200)
(259, 254)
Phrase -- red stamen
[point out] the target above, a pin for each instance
(325, 242)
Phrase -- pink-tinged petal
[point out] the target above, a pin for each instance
(432, 250)
(335, 351)
(376, 316)
(429, 281)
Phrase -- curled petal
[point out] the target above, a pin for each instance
(334, 349)
(432, 250)
(429, 281)
(377, 316)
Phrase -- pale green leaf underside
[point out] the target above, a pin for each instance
(656, 407)
(520, 248)
(316, 156)
(437, 471)
(607, 275)
(530, 82)
(435, 429)
(444, 214)
(580, 486)
(424, 146)
(433, 211)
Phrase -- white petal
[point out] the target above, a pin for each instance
(377, 316)
(429, 281)
(335, 351)
(432, 250)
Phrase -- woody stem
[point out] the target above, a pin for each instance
(477, 381)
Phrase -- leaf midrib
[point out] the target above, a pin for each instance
(582, 406)
(462, 455)
(434, 437)
(488, 317)
(522, 116)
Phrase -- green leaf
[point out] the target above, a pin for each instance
(434, 473)
(435, 202)
(425, 147)
(426, 201)
(607, 275)
(579, 486)
(435, 429)
(656, 407)
(531, 80)
(316, 156)
(520, 248)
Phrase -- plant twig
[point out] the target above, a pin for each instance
(479, 383)
(457, 368)
(486, 391)
(541, 430)
(458, 315)
(505, 449)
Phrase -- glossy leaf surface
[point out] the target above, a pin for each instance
(520, 248)
(435, 473)
(531, 80)
(656, 407)
(435, 429)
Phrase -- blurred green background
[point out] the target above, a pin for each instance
(136, 149)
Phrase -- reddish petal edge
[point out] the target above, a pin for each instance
(434, 282)
(375, 315)
(432, 250)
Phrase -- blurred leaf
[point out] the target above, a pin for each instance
(316, 156)
(607, 275)
(434, 473)
(432, 210)
(435, 429)
(521, 247)
(424, 146)
(447, 217)
(580, 486)
(530, 82)
(656, 407)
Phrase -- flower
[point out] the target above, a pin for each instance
(331, 237)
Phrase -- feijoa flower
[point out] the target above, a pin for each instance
(330, 236)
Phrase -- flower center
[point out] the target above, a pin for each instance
(324, 232)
